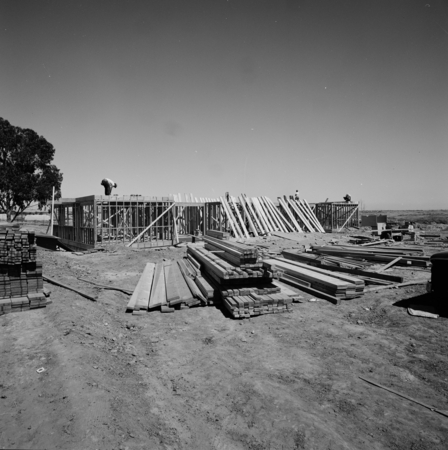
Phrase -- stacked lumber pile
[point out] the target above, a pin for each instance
(222, 235)
(245, 286)
(21, 283)
(241, 255)
(170, 285)
(260, 216)
(369, 277)
(333, 286)
(408, 256)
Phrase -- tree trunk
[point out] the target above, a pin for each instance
(8, 215)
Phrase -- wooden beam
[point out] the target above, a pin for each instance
(229, 215)
(248, 216)
(140, 298)
(243, 226)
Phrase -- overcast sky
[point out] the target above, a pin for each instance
(246, 96)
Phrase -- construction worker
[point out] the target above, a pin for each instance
(108, 185)
(348, 198)
(296, 195)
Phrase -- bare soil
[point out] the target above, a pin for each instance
(197, 379)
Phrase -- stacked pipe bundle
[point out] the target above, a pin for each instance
(21, 282)
(246, 288)
(408, 256)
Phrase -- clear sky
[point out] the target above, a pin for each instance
(246, 96)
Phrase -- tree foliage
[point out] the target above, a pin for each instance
(27, 174)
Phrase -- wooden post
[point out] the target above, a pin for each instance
(52, 212)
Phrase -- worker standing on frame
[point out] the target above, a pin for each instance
(348, 198)
(108, 185)
(296, 195)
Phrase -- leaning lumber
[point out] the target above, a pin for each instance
(387, 266)
(140, 297)
(248, 217)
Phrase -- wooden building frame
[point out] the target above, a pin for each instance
(94, 221)
(335, 216)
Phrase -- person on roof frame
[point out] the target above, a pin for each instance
(296, 195)
(108, 185)
(348, 198)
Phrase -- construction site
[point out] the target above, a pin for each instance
(233, 322)
(223, 225)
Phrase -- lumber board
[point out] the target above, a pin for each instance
(242, 224)
(307, 207)
(252, 211)
(271, 213)
(309, 214)
(207, 290)
(172, 293)
(392, 263)
(190, 283)
(340, 276)
(179, 286)
(248, 216)
(318, 280)
(266, 214)
(158, 289)
(399, 285)
(140, 297)
(310, 290)
(261, 215)
(289, 214)
(301, 257)
(302, 217)
(286, 225)
(230, 217)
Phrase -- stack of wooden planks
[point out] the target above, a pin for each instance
(369, 277)
(409, 256)
(243, 256)
(218, 268)
(170, 285)
(309, 278)
(245, 286)
(21, 283)
(260, 216)
(222, 235)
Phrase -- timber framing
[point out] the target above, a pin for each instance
(337, 216)
(94, 221)
(141, 221)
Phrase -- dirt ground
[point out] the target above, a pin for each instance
(196, 379)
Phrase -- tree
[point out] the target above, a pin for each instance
(26, 172)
